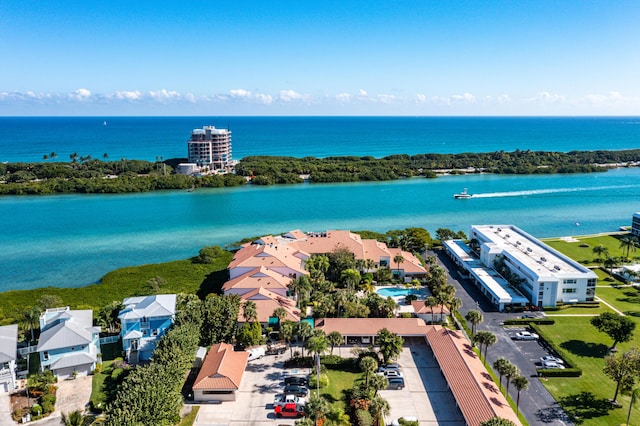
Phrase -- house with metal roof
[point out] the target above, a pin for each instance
(69, 343)
(8, 355)
(144, 320)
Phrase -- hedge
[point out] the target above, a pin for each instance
(571, 371)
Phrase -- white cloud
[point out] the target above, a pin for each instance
(343, 97)
(80, 94)
(165, 95)
(240, 93)
(126, 95)
(465, 98)
(264, 99)
(606, 99)
(362, 92)
(546, 98)
(421, 98)
(291, 96)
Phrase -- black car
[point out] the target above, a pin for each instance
(296, 390)
(295, 380)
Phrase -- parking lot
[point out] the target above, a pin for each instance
(262, 380)
(530, 350)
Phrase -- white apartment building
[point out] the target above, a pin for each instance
(547, 276)
(210, 147)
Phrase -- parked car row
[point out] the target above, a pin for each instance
(291, 403)
(551, 362)
(393, 375)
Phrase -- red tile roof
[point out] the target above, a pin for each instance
(267, 302)
(222, 368)
(371, 326)
(259, 277)
(476, 394)
(419, 307)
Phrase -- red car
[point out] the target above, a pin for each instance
(289, 410)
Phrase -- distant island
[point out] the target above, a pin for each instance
(89, 175)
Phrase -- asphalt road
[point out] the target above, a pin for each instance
(536, 403)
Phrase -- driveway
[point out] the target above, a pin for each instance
(426, 395)
(72, 395)
(5, 409)
(254, 400)
(536, 403)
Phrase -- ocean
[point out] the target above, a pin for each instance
(73, 240)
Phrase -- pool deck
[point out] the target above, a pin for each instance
(402, 307)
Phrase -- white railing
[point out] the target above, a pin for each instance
(109, 339)
(27, 350)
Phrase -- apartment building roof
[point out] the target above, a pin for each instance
(222, 368)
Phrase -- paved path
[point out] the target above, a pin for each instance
(606, 303)
(72, 395)
(5, 409)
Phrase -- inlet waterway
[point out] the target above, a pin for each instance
(73, 240)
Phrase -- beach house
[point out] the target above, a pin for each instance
(69, 343)
(144, 320)
(221, 374)
(8, 354)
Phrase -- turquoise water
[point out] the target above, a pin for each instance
(73, 240)
(397, 292)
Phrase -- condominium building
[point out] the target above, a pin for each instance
(635, 224)
(544, 275)
(210, 147)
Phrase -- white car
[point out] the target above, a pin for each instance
(396, 422)
(550, 358)
(525, 335)
(389, 373)
(552, 365)
(281, 399)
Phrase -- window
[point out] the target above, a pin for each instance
(570, 281)
(591, 282)
(45, 355)
(569, 290)
(154, 332)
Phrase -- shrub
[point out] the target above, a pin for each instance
(313, 381)
(48, 403)
(364, 418)
(98, 368)
(584, 245)
(406, 315)
(36, 410)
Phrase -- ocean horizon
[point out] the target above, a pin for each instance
(72, 240)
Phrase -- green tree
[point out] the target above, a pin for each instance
(601, 252)
(610, 263)
(108, 316)
(249, 311)
(379, 407)
(287, 330)
(431, 302)
(280, 313)
(398, 259)
(635, 394)
(390, 345)
(304, 330)
(619, 328)
(626, 244)
(317, 344)
(454, 304)
(510, 372)
(521, 383)
(486, 339)
(368, 365)
(317, 408)
(31, 319)
(384, 274)
(155, 284)
(48, 301)
(622, 369)
(500, 365)
(337, 417)
(474, 317)
(351, 278)
(335, 339)
(300, 287)
(75, 418)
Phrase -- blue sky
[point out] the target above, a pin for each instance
(344, 57)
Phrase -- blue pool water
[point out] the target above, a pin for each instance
(397, 292)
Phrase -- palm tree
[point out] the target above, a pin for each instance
(635, 394)
(378, 383)
(335, 339)
(317, 345)
(31, 318)
(249, 311)
(368, 365)
(626, 244)
(431, 302)
(600, 251)
(286, 333)
(75, 418)
(454, 304)
(610, 263)
(398, 259)
(487, 339)
(280, 313)
(351, 278)
(475, 318)
(500, 366)
(300, 286)
(337, 417)
(317, 408)
(380, 408)
(304, 330)
(511, 372)
(520, 382)
(53, 155)
(443, 299)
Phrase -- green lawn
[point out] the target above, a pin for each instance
(342, 377)
(190, 418)
(587, 398)
(585, 254)
(109, 352)
(625, 299)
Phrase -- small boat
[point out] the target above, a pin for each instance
(104, 123)
(463, 194)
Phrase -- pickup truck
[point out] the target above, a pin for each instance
(276, 348)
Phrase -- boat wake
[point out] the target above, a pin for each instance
(548, 191)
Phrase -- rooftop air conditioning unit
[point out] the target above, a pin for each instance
(529, 249)
(556, 267)
(544, 259)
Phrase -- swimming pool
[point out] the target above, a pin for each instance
(397, 292)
